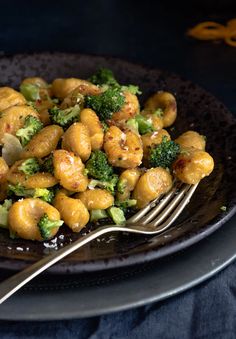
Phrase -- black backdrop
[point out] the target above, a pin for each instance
(148, 32)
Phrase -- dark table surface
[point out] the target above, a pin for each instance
(151, 33)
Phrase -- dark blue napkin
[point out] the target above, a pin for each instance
(206, 311)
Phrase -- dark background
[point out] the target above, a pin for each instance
(152, 33)
(148, 32)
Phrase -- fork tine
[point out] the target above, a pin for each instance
(140, 214)
(172, 204)
(185, 200)
(159, 207)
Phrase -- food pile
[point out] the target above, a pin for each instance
(78, 151)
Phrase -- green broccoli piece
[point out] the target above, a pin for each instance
(20, 191)
(31, 126)
(132, 124)
(109, 185)
(46, 225)
(144, 124)
(103, 76)
(104, 126)
(163, 154)
(121, 185)
(132, 89)
(107, 103)
(65, 117)
(30, 166)
(124, 205)
(30, 92)
(96, 215)
(158, 112)
(47, 165)
(117, 215)
(4, 209)
(44, 193)
(98, 166)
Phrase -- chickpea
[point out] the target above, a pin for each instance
(25, 214)
(13, 118)
(90, 119)
(42, 180)
(68, 169)
(76, 139)
(151, 185)
(129, 109)
(96, 199)
(43, 143)
(73, 211)
(127, 180)
(123, 149)
(166, 101)
(191, 139)
(192, 165)
(9, 97)
(151, 139)
(62, 87)
(3, 170)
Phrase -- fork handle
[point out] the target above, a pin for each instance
(15, 282)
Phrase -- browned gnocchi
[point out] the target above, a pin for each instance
(69, 170)
(76, 139)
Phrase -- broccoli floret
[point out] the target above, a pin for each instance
(98, 166)
(96, 215)
(44, 194)
(121, 185)
(158, 112)
(144, 124)
(30, 166)
(164, 154)
(47, 165)
(104, 76)
(132, 89)
(20, 191)
(30, 92)
(64, 117)
(132, 124)
(117, 215)
(104, 126)
(107, 185)
(31, 126)
(46, 225)
(4, 209)
(107, 103)
(124, 205)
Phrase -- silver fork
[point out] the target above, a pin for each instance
(153, 219)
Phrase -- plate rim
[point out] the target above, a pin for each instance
(208, 265)
(133, 258)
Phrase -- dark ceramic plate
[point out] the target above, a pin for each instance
(197, 110)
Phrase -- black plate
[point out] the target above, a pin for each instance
(197, 110)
